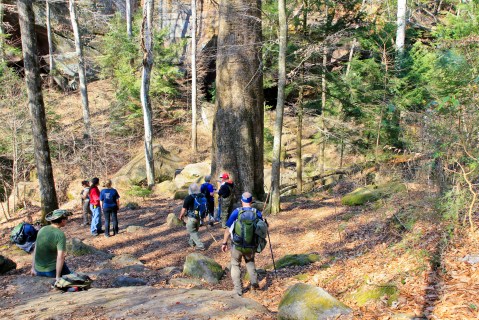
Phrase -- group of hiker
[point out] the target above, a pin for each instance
(244, 225)
(95, 201)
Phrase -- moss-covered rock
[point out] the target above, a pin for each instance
(76, 247)
(172, 221)
(180, 194)
(201, 267)
(295, 260)
(165, 189)
(369, 293)
(6, 264)
(304, 302)
(371, 193)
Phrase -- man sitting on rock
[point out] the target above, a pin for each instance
(50, 248)
(193, 215)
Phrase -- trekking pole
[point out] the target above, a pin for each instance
(208, 229)
(269, 240)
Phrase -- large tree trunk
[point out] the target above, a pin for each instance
(239, 119)
(2, 50)
(129, 31)
(50, 40)
(147, 49)
(401, 29)
(81, 69)
(48, 196)
(194, 143)
(278, 124)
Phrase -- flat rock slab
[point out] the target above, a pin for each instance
(138, 303)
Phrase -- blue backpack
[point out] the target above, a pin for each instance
(200, 207)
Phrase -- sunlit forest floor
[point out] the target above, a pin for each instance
(395, 243)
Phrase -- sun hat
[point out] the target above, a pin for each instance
(57, 214)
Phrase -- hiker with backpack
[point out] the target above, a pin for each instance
(85, 202)
(208, 190)
(50, 248)
(194, 206)
(247, 231)
(225, 198)
(110, 203)
(95, 207)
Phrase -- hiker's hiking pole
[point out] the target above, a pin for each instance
(269, 240)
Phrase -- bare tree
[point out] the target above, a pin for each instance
(147, 49)
(194, 137)
(50, 40)
(278, 123)
(401, 28)
(48, 196)
(299, 136)
(129, 30)
(2, 49)
(323, 108)
(239, 119)
(81, 69)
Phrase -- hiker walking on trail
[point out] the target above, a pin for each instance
(192, 211)
(110, 203)
(50, 248)
(225, 198)
(95, 208)
(85, 201)
(241, 229)
(208, 190)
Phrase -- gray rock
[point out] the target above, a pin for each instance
(172, 221)
(169, 271)
(135, 229)
(302, 301)
(202, 267)
(6, 264)
(295, 260)
(471, 258)
(125, 260)
(76, 247)
(188, 283)
(124, 281)
(194, 172)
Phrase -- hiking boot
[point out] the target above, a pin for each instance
(200, 248)
(239, 293)
(107, 235)
(254, 287)
(94, 234)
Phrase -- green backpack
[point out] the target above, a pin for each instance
(75, 281)
(244, 237)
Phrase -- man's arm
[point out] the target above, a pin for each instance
(33, 272)
(226, 236)
(60, 262)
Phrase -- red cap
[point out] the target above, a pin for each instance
(225, 176)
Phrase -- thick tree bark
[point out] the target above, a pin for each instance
(401, 30)
(194, 142)
(48, 196)
(278, 123)
(239, 119)
(50, 40)
(147, 49)
(129, 30)
(81, 69)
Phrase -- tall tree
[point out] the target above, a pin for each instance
(239, 119)
(147, 49)
(194, 141)
(323, 108)
(48, 195)
(129, 30)
(401, 29)
(2, 49)
(81, 69)
(278, 123)
(50, 40)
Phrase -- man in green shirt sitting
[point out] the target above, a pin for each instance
(50, 248)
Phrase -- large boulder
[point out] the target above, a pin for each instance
(372, 193)
(194, 172)
(165, 189)
(202, 267)
(76, 247)
(6, 265)
(303, 302)
(134, 172)
(126, 260)
(125, 281)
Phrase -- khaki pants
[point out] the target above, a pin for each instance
(236, 256)
(192, 227)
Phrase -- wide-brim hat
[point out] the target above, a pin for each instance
(57, 214)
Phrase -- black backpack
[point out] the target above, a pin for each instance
(22, 233)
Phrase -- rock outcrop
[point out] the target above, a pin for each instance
(76, 247)
(304, 302)
(371, 193)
